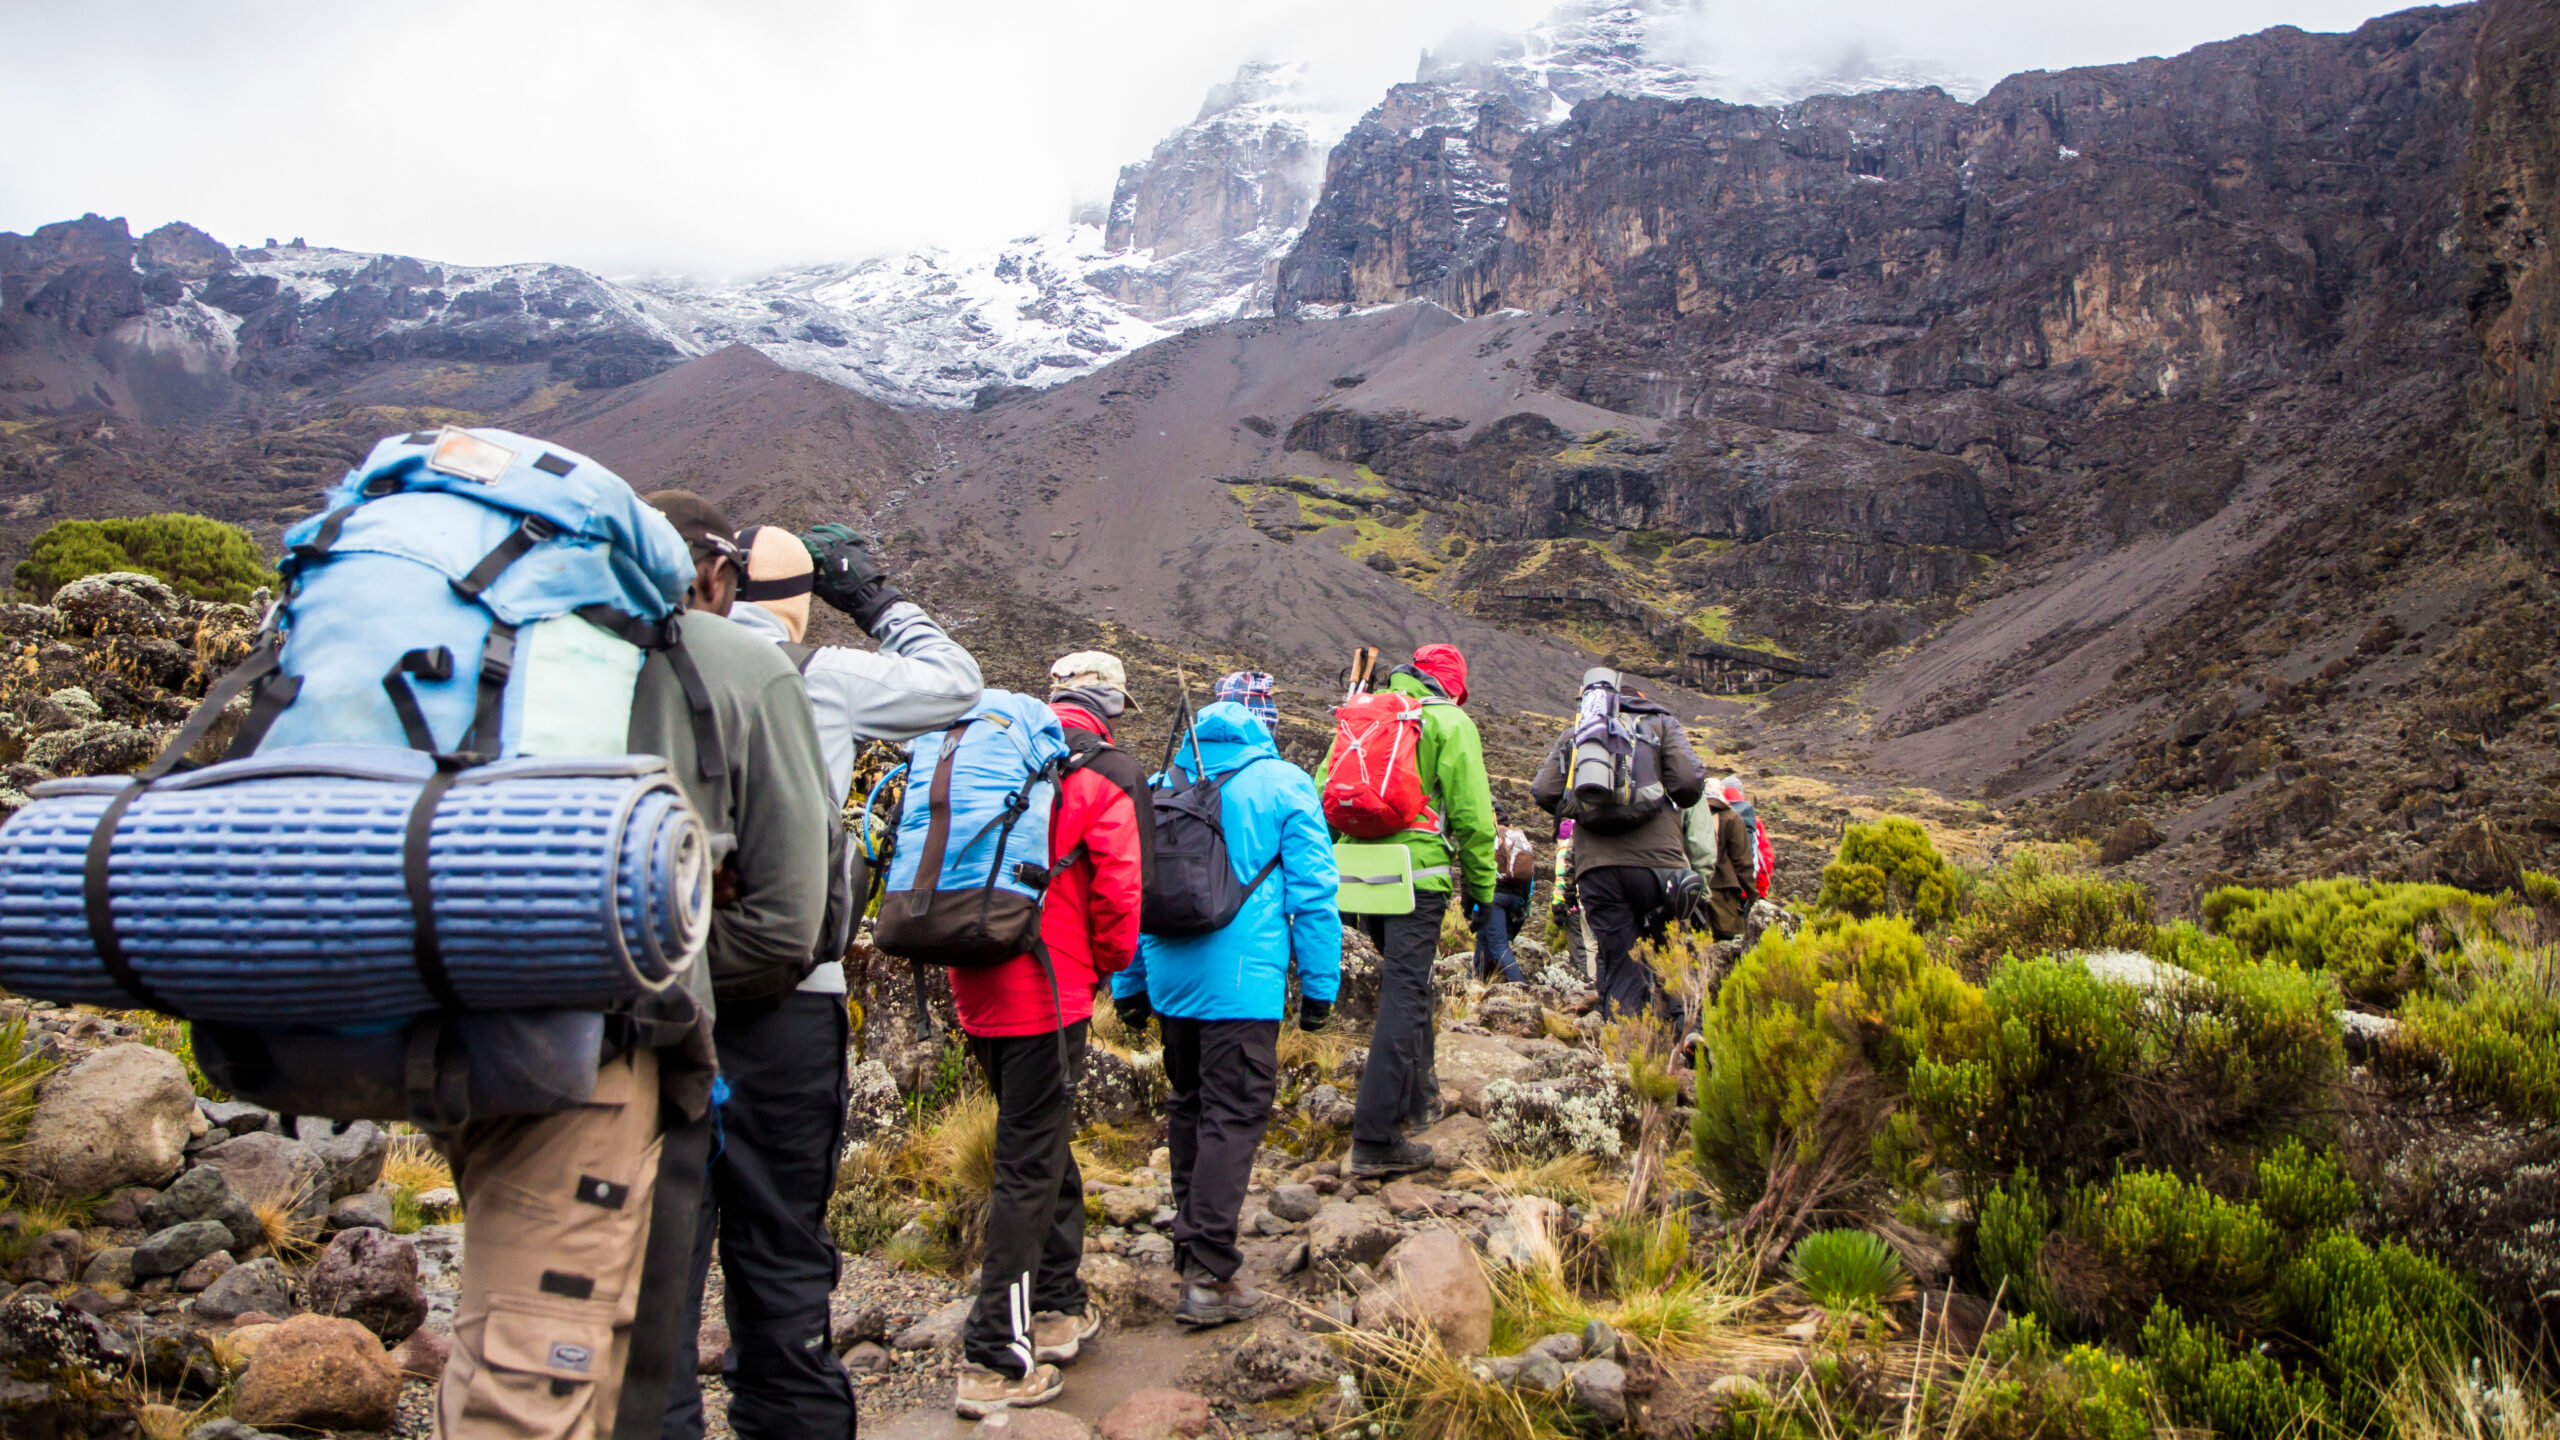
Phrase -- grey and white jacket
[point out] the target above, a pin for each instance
(921, 679)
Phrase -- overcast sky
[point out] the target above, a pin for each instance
(722, 136)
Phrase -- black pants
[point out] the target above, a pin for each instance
(778, 1138)
(1225, 1074)
(1623, 905)
(1402, 1079)
(1035, 1212)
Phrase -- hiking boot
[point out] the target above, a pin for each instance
(1056, 1336)
(1405, 1156)
(1217, 1302)
(982, 1392)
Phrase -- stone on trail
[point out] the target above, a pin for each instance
(1466, 1063)
(1458, 1141)
(120, 1117)
(111, 1266)
(1538, 1371)
(940, 1328)
(371, 1277)
(370, 1210)
(1600, 1386)
(172, 1250)
(1042, 1424)
(422, 1356)
(1159, 1414)
(1328, 1106)
(123, 1209)
(1128, 1205)
(352, 1156)
(227, 1428)
(54, 1258)
(319, 1372)
(263, 1168)
(1347, 1234)
(1294, 1202)
(204, 1272)
(256, 1286)
(1431, 1279)
(1277, 1359)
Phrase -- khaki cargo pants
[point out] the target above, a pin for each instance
(555, 1224)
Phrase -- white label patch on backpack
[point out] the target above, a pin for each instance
(577, 682)
(466, 456)
(565, 1356)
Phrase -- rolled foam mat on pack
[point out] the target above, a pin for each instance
(273, 891)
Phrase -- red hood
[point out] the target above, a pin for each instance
(1444, 664)
(1076, 717)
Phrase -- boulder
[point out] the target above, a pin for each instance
(1407, 1200)
(111, 1266)
(350, 1152)
(369, 1276)
(1294, 1202)
(119, 1117)
(167, 1252)
(1346, 1234)
(1467, 1063)
(264, 1168)
(1128, 1205)
(259, 1286)
(1431, 1279)
(123, 1209)
(873, 1106)
(1600, 1386)
(370, 1210)
(1277, 1360)
(422, 1356)
(1457, 1141)
(55, 1257)
(941, 1329)
(1159, 1414)
(1327, 1106)
(120, 602)
(199, 1194)
(1510, 1010)
(320, 1373)
(194, 1278)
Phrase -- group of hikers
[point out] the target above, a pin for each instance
(1225, 824)
(1029, 854)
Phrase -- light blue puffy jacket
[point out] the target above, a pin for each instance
(1270, 807)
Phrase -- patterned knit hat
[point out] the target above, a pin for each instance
(1252, 690)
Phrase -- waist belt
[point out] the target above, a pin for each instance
(1375, 879)
(1432, 872)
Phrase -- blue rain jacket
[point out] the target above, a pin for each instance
(1270, 806)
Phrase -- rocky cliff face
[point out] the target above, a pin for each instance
(2513, 196)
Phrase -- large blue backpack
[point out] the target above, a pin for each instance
(473, 594)
(972, 854)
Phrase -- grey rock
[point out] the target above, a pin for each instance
(866, 1358)
(1154, 1249)
(56, 1256)
(269, 1167)
(1345, 1234)
(199, 1194)
(1295, 1202)
(873, 1105)
(111, 1266)
(1499, 1369)
(439, 1250)
(1276, 1361)
(174, 1249)
(1599, 1341)
(939, 1329)
(370, 1276)
(1539, 1371)
(123, 1209)
(120, 1117)
(1600, 1386)
(237, 1116)
(204, 1272)
(1565, 1348)
(352, 1155)
(1327, 1106)
(1295, 1260)
(370, 1210)
(259, 1285)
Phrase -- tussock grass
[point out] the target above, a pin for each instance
(287, 1238)
(412, 1167)
(2497, 1395)
(1321, 1049)
(21, 1071)
(1416, 1390)
(1638, 1277)
(1567, 1179)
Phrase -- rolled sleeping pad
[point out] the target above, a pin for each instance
(274, 891)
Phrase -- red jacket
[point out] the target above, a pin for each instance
(1089, 920)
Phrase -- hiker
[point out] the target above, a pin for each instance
(1622, 773)
(559, 1209)
(1252, 690)
(1027, 1023)
(1719, 850)
(1564, 904)
(1515, 878)
(1451, 841)
(782, 1055)
(1219, 997)
(1764, 856)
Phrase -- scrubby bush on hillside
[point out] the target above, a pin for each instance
(1890, 868)
(203, 558)
(2365, 933)
(2035, 906)
(1811, 1039)
(2491, 1019)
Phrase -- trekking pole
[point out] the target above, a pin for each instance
(1191, 725)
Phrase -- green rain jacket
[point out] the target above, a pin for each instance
(1451, 757)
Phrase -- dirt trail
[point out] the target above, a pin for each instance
(1114, 1364)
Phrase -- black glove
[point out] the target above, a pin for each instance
(1312, 1013)
(849, 578)
(1475, 916)
(1135, 1010)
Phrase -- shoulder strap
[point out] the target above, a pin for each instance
(800, 654)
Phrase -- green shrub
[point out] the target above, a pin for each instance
(2365, 933)
(1848, 1272)
(2205, 1380)
(1800, 1024)
(2075, 1075)
(2373, 1311)
(2148, 1235)
(2303, 1191)
(2030, 907)
(2492, 1020)
(203, 558)
(2084, 1393)
(1890, 868)
(2010, 1227)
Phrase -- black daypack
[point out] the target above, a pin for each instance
(1192, 889)
(1089, 751)
(1634, 749)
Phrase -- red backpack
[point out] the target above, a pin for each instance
(1374, 786)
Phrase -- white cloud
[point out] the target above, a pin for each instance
(722, 137)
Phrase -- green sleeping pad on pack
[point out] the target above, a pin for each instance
(1376, 879)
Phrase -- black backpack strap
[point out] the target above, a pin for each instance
(436, 664)
(427, 948)
(530, 531)
(937, 831)
(497, 662)
(668, 635)
(96, 901)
